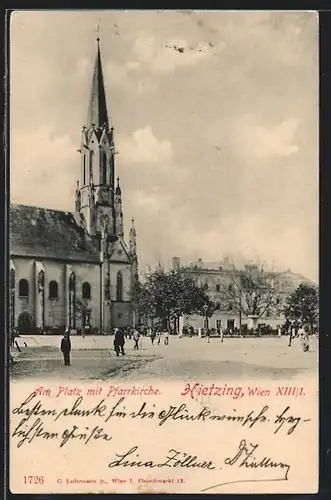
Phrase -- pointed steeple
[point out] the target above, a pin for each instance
(97, 111)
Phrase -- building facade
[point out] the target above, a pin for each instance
(220, 280)
(74, 269)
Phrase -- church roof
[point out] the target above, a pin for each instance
(45, 233)
(97, 112)
(119, 252)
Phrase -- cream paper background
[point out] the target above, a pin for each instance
(211, 440)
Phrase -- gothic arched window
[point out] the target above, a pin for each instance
(53, 290)
(84, 171)
(91, 162)
(119, 287)
(72, 282)
(86, 290)
(104, 168)
(41, 281)
(23, 288)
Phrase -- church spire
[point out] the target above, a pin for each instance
(97, 111)
(97, 180)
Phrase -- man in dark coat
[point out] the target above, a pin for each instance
(119, 341)
(66, 348)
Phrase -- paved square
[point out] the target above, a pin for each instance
(93, 358)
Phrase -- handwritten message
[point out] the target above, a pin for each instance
(193, 438)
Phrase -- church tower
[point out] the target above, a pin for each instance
(95, 193)
(99, 208)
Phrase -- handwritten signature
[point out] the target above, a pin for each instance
(174, 458)
(245, 457)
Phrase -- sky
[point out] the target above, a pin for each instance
(218, 142)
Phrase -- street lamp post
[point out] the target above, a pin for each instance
(205, 308)
(240, 313)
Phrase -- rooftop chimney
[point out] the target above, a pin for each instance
(176, 262)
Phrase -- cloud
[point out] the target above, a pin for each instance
(40, 162)
(241, 237)
(146, 84)
(148, 202)
(261, 141)
(84, 67)
(144, 147)
(129, 76)
(120, 75)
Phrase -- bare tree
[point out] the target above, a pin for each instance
(251, 292)
(81, 310)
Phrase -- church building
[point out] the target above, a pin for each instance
(74, 269)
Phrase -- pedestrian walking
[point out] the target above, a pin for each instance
(305, 342)
(66, 347)
(116, 345)
(158, 336)
(166, 338)
(304, 337)
(208, 335)
(221, 334)
(136, 337)
(152, 334)
(292, 335)
(119, 341)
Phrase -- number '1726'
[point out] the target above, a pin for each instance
(33, 479)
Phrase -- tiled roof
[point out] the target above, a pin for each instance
(45, 233)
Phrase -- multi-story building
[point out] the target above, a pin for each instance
(221, 281)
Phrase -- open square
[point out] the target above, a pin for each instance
(183, 359)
